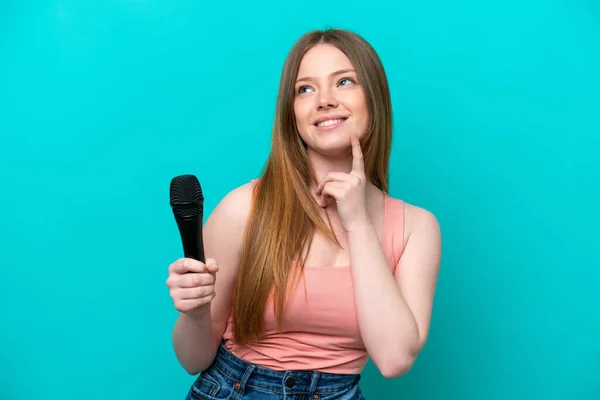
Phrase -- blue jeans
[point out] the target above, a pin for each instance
(230, 377)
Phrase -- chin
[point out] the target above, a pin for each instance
(330, 142)
(332, 147)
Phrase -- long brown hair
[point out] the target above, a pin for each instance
(284, 214)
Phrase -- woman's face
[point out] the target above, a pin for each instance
(329, 102)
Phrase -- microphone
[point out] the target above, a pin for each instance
(187, 203)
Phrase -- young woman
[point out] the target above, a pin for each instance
(313, 266)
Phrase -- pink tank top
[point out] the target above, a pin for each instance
(320, 327)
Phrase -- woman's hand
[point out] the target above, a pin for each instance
(192, 285)
(348, 190)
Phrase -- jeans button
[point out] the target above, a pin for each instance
(290, 381)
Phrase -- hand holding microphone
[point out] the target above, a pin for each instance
(191, 279)
(192, 284)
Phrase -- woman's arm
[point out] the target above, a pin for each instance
(394, 310)
(196, 339)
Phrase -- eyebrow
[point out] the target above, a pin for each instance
(341, 71)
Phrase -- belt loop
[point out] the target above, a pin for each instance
(314, 382)
(241, 385)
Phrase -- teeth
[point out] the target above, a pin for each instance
(329, 122)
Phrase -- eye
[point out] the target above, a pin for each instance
(303, 89)
(346, 81)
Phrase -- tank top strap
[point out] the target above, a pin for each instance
(393, 231)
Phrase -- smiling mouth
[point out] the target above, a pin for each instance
(330, 123)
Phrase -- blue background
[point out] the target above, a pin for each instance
(496, 131)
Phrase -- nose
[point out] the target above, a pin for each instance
(326, 100)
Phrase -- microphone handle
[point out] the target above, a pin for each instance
(190, 229)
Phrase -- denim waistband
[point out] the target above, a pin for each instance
(292, 381)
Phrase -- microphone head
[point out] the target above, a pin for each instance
(186, 196)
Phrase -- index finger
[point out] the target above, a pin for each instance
(188, 265)
(358, 166)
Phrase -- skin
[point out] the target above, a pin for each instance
(393, 309)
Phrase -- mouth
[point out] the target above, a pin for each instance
(330, 122)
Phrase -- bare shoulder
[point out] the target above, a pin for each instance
(224, 229)
(233, 209)
(421, 229)
(419, 218)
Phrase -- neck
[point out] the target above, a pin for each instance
(322, 165)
